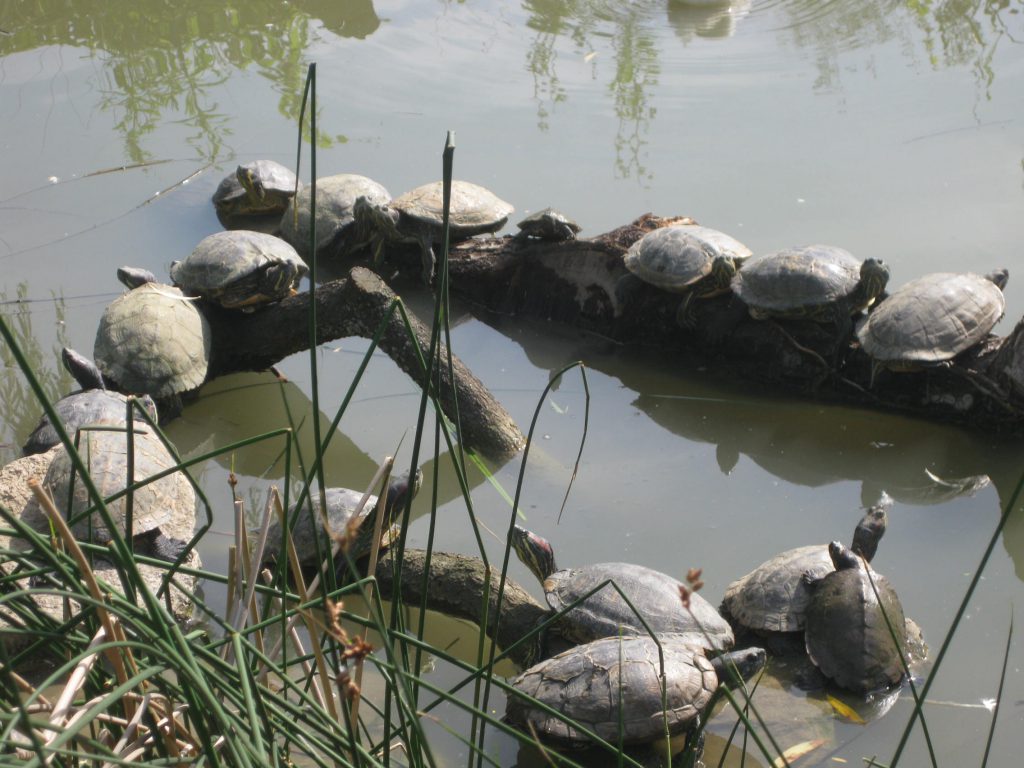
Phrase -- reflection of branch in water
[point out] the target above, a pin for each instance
(636, 71)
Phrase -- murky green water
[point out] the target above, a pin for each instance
(892, 129)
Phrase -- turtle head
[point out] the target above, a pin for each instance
(133, 277)
(401, 488)
(251, 181)
(82, 369)
(280, 279)
(871, 528)
(842, 558)
(723, 269)
(1000, 277)
(735, 667)
(874, 276)
(535, 552)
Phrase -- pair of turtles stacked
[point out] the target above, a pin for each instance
(610, 679)
(927, 322)
(829, 601)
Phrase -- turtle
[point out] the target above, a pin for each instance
(105, 453)
(932, 319)
(655, 595)
(771, 601)
(416, 217)
(335, 197)
(547, 224)
(822, 283)
(613, 687)
(152, 340)
(687, 259)
(240, 269)
(341, 505)
(847, 633)
(261, 188)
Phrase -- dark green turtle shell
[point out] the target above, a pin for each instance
(548, 224)
(240, 268)
(335, 198)
(654, 594)
(819, 282)
(679, 257)
(595, 683)
(105, 454)
(932, 319)
(85, 408)
(846, 633)
(153, 340)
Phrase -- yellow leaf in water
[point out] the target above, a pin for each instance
(797, 751)
(845, 710)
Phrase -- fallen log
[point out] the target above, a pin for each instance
(355, 306)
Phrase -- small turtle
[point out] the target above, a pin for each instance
(261, 188)
(547, 224)
(154, 504)
(687, 258)
(335, 198)
(240, 269)
(417, 217)
(816, 282)
(771, 601)
(654, 594)
(932, 319)
(153, 340)
(341, 505)
(847, 635)
(614, 687)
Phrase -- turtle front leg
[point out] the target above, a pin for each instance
(429, 259)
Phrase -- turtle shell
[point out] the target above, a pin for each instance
(80, 409)
(932, 319)
(774, 597)
(797, 281)
(613, 687)
(846, 634)
(341, 505)
(153, 340)
(548, 224)
(240, 268)
(335, 197)
(654, 594)
(474, 210)
(675, 258)
(105, 455)
(277, 182)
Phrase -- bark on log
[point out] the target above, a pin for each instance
(355, 306)
(456, 587)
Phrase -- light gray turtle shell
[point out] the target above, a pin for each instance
(932, 319)
(80, 409)
(341, 505)
(654, 594)
(474, 210)
(231, 198)
(592, 683)
(674, 258)
(773, 597)
(335, 197)
(153, 340)
(105, 454)
(223, 259)
(846, 634)
(796, 279)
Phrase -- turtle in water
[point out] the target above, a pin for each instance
(847, 633)
(153, 340)
(613, 687)
(341, 506)
(771, 601)
(654, 594)
(417, 218)
(93, 404)
(335, 230)
(240, 269)
(932, 319)
(547, 224)
(258, 189)
(689, 259)
(822, 283)
(153, 504)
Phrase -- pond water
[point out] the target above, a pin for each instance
(893, 129)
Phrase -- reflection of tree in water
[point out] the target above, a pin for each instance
(635, 56)
(169, 65)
